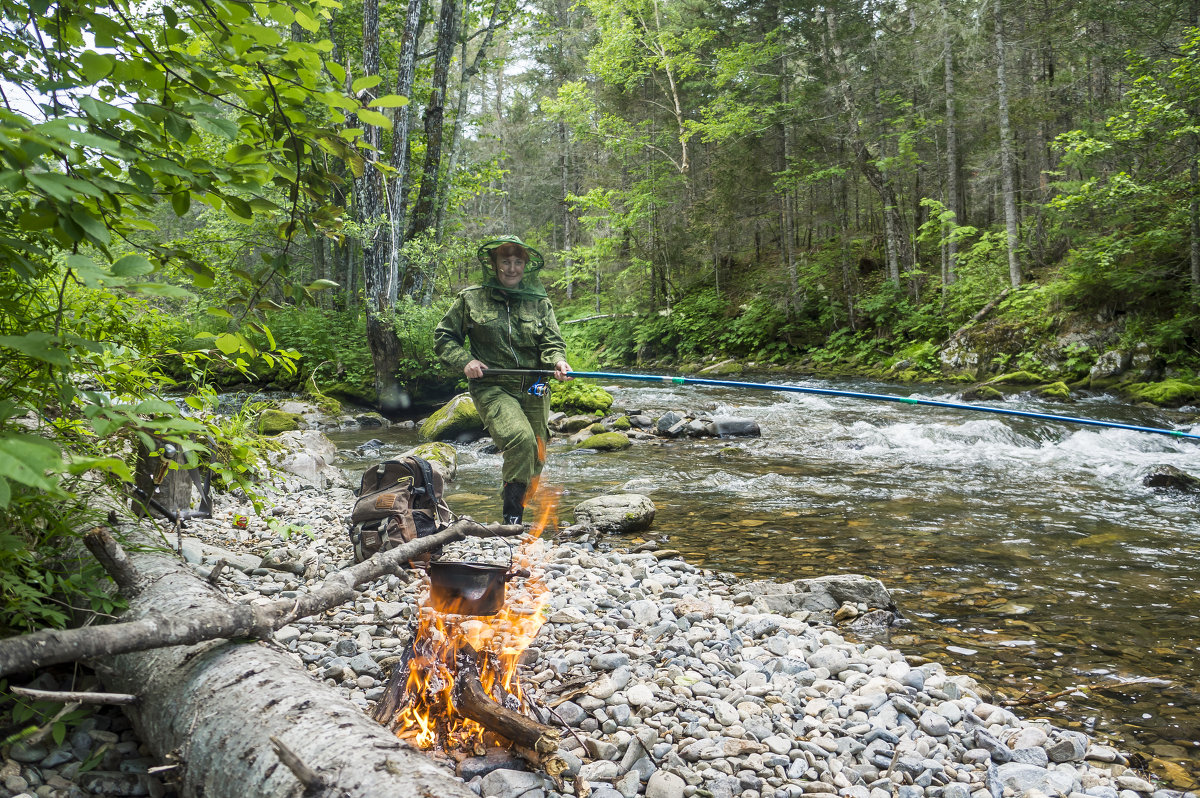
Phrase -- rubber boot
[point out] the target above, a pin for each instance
(513, 495)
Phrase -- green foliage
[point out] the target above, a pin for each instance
(138, 121)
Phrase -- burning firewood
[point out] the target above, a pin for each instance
(456, 686)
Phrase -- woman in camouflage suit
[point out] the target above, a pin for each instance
(510, 324)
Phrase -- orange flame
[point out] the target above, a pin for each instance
(428, 718)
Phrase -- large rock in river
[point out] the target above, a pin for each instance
(618, 513)
(823, 594)
(310, 455)
(1171, 478)
(457, 420)
(441, 456)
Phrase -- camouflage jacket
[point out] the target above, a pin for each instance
(503, 332)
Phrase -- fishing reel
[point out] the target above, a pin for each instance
(539, 388)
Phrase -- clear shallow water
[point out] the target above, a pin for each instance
(1025, 553)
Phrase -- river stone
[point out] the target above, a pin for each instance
(1171, 478)
(272, 422)
(732, 427)
(668, 421)
(606, 442)
(853, 588)
(442, 457)
(508, 783)
(620, 513)
(480, 766)
(284, 560)
(1022, 778)
(600, 770)
(1109, 366)
(310, 455)
(572, 424)
(457, 420)
(1069, 747)
(198, 552)
(639, 695)
(664, 784)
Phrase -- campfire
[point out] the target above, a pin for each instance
(457, 689)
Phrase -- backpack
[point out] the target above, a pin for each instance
(398, 501)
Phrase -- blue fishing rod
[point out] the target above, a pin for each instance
(878, 397)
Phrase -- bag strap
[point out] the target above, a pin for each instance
(428, 488)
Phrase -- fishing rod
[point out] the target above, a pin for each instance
(879, 397)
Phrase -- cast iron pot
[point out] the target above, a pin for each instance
(469, 588)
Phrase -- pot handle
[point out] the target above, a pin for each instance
(516, 572)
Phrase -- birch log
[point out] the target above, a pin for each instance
(214, 708)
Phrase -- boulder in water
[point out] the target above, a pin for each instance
(457, 420)
(606, 442)
(1171, 478)
(732, 427)
(618, 513)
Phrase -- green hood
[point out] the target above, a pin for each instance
(530, 286)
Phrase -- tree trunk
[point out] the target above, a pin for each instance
(866, 159)
(435, 123)
(949, 276)
(379, 280)
(1006, 152)
(213, 708)
(400, 182)
(564, 140)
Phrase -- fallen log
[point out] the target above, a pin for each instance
(156, 627)
(215, 709)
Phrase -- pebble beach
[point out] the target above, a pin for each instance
(669, 681)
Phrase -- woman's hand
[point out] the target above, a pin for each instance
(562, 371)
(474, 370)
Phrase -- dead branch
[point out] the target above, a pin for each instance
(75, 697)
(155, 630)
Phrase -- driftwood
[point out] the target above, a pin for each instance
(155, 628)
(214, 708)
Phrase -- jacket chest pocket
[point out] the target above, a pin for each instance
(529, 328)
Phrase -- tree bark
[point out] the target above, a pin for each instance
(1006, 152)
(214, 708)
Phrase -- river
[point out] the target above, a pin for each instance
(1025, 553)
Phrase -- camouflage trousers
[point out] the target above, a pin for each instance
(516, 420)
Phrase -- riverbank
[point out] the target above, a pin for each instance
(677, 682)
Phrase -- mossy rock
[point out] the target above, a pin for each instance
(456, 420)
(1055, 390)
(981, 393)
(597, 429)
(724, 368)
(1168, 393)
(1016, 378)
(578, 396)
(439, 453)
(607, 442)
(273, 422)
(623, 423)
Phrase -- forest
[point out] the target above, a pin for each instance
(210, 195)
